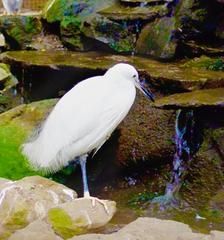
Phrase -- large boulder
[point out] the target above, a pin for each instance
(157, 39)
(78, 216)
(29, 199)
(153, 229)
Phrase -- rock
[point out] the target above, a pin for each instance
(26, 200)
(211, 98)
(38, 230)
(77, 216)
(110, 34)
(153, 229)
(196, 18)
(120, 13)
(208, 161)
(85, 29)
(145, 134)
(2, 40)
(144, 2)
(157, 39)
(7, 79)
(204, 62)
(44, 42)
(4, 182)
(57, 10)
(20, 29)
(15, 127)
(191, 48)
(168, 77)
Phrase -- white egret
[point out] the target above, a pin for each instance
(84, 119)
(12, 6)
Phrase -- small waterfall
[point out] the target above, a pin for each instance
(188, 139)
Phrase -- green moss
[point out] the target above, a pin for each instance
(15, 127)
(17, 220)
(20, 29)
(64, 225)
(204, 62)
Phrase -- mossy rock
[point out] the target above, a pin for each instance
(119, 12)
(205, 175)
(157, 39)
(56, 10)
(168, 77)
(204, 62)
(210, 98)
(15, 127)
(81, 28)
(63, 224)
(20, 29)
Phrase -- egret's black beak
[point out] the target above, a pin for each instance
(146, 92)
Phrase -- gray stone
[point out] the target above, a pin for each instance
(212, 98)
(80, 215)
(153, 229)
(38, 230)
(23, 201)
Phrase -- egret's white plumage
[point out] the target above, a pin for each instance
(84, 119)
(12, 6)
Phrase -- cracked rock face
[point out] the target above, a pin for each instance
(23, 201)
(32, 202)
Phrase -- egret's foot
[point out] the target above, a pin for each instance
(94, 199)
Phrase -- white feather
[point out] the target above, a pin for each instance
(81, 121)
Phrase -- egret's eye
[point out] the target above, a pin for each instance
(134, 76)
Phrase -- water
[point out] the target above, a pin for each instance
(184, 128)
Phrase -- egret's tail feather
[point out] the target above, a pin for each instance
(38, 158)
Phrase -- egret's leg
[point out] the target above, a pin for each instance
(82, 161)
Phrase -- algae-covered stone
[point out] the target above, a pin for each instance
(56, 10)
(204, 62)
(211, 98)
(118, 12)
(115, 35)
(38, 230)
(157, 39)
(79, 21)
(15, 126)
(20, 29)
(29, 199)
(167, 77)
(77, 216)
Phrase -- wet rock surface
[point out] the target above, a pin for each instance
(170, 77)
(210, 98)
(155, 229)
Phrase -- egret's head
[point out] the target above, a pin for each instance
(131, 74)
